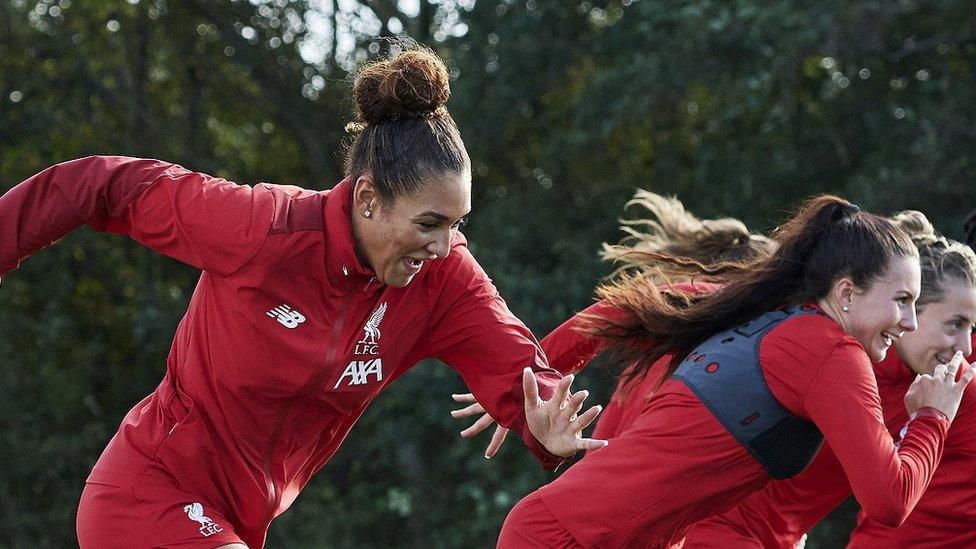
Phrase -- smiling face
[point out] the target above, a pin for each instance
(399, 235)
(944, 327)
(883, 312)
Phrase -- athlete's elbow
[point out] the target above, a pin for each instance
(891, 515)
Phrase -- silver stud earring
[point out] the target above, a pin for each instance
(367, 213)
(845, 308)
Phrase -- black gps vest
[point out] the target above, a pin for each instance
(724, 373)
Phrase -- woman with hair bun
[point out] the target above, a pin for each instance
(780, 514)
(309, 304)
(754, 377)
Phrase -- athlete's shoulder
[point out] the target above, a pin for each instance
(813, 326)
(459, 261)
(810, 337)
(295, 208)
(459, 272)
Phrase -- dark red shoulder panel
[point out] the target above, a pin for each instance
(296, 209)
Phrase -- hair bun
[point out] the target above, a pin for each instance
(412, 84)
(916, 225)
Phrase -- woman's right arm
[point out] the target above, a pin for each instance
(204, 221)
(843, 401)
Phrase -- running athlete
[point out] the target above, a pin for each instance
(778, 516)
(755, 376)
(309, 304)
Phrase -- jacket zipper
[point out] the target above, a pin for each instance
(274, 494)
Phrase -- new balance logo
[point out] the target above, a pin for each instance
(288, 317)
(194, 511)
(358, 372)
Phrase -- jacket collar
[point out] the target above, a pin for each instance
(342, 264)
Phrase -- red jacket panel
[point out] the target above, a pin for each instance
(287, 337)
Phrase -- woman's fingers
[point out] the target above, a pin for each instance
(497, 438)
(466, 398)
(967, 376)
(573, 405)
(468, 411)
(483, 423)
(954, 364)
(531, 390)
(562, 391)
(586, 418)
(590, 443)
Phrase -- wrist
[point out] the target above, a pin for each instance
(929, 411)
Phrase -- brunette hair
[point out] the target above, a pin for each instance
(827, 239)
(941, 258)
(403, 133)
(674, 231)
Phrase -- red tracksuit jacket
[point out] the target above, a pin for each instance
(675, 465)
(780, 514)
(287, 338)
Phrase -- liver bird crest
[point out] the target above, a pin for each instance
(372, 326)
(195, 512)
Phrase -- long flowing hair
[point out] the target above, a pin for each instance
(828, 238)
(668, 228)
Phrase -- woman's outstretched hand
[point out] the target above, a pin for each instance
(474, 408)
(554, 422)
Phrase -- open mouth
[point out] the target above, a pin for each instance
(889, 338)
(413, 264)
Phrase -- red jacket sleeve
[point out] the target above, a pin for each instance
(473, 331)
(887, 481)
(206, 222)
(568, 349)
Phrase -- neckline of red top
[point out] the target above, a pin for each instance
(341, 260)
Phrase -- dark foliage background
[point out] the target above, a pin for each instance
(739, 107)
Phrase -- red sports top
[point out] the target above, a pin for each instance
(676, 464)
(782, 512)
(287, 338)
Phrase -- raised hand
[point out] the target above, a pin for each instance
(554, 422)
(940, 389)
